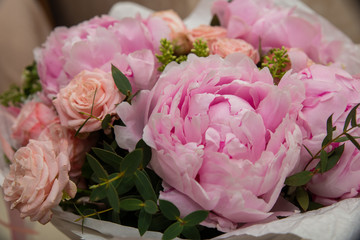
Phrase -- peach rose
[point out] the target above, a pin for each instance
(207, 32)
(37, 179)
(173, 21)
(32, 119)
(76, 102)
(226, 46)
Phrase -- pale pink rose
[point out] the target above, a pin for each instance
(37, 179)
(173, 20)
(226, 46)
(75, 102)
(223, 136)
(76, 149)
(329, 91)
(130, 44)
(255, 20)
(32, 119)
(207, 32)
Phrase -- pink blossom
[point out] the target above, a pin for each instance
(173, 20)
(223, 136)
(37, 179)
(129, 44)
(32, 119)
(90, 93)
(255, 20)
(330, 91)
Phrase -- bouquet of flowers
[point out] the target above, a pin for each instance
(192, 132)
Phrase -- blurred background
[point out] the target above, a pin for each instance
(24, 25)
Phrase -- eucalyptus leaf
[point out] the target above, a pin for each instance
(113, 197)
(144, 221)
(335, 157)
(108, 147)
(131, 204)
(126, 184)
(144, 187)
(302, 198)
(146, 152)
(98, 169)
(121, 81)
(191, 232)
(150, 207)
(98, 194)
(131, 162)
(106, 121)
(169, 210)
(195, 218)
(108, 157)
(299, 179)
(173, 231)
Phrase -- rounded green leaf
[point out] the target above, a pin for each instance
(302, 198)
(169, 210)
(195, 218)
(150, 207)
(131, 204)
(121, 81)
(299, 179)
(144, 221)
(173, 231)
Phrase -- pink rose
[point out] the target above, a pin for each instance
(37, 179)
(226, 46)
(207, 32)
(173, 20)
(32, 119)
(223, 136)
(129, 44)
(76, 102)
(329, 91)
(252, 20)
(76, 149)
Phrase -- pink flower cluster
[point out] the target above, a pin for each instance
(223, 136)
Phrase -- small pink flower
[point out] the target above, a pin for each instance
(76, 102)
(37, 179)
(226, 46)
(33, 118)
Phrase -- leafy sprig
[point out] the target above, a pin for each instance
(276, 60)
(16, 95)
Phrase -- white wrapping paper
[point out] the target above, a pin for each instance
(338, 221)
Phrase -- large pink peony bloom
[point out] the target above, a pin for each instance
(330, 91)
(89, 93)
(31, 121)
(223, 136)
(129, 44)
(254, 20)
(38, 178)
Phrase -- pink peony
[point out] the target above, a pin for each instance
(226, 46)
(37, 179)
(32, 119)
(173, 20)
(76, 102)
(255, 20)
(330, 91)
(129, 44)
(223, 136)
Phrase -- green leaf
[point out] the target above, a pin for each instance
(131, 204)
(108, 157)
(302, 198)
(334, 157)
(195, 218)
(150, 207)
(351, 117)
(146, 152)
(314, 206)
(126, 185)
(144, 187)
(329, 131)
(191, 232)
(108, 147)
(121, 81)
(308, 151)
(98, 194)
(98, 169)
(353, 140)
(92, 107)
(299, 179)
(215, 21)
(173, 231)
(344, 139)
(144, 221)
(323, 160)
(82, 125)
(131, 162)
(113, 197)
(169, 210)
(106, 122)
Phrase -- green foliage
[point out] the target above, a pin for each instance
(16, 95)
(200, 48)
(299, 179)
(121, 81)
(276, 61)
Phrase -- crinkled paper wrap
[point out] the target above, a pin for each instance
(338, 221)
